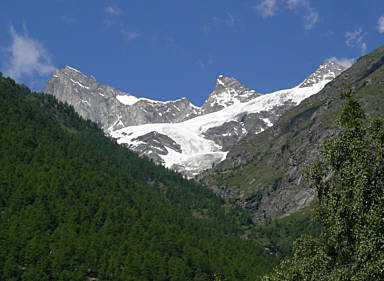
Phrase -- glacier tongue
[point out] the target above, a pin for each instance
(198, 151)
(178, 134)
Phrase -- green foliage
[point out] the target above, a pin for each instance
(279, 234)
(76, 205)
(349, 180)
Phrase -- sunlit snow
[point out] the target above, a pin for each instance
(199, 153)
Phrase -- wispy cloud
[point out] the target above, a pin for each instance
(203, 64)
(355, 39)
(227, 20)
(346, 62)
(129, 35)
(292, 4)
(27, 57)
(113, 10)
(311, 19)
(380, 24)
(329, 33)
(267, 8)
(205, 28)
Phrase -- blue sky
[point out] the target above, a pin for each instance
(171, 49)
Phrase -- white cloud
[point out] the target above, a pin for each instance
(227, 20)
(129, 35)
(311, 19)
(113, 11)
(346, 62)
(230, 21)
(27, 57)
(355, 39)
(380, 24)
(267, 8)
(292, 4)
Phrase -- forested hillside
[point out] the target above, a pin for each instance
(74, 204)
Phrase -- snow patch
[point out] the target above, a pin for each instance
(78, 83)
(199, 153)
(127, 100)
(74, 69)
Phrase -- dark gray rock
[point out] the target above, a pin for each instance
(156, 143)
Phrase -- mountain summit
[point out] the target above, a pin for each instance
(178, 134)
(325, 72)
(228, 91)
(112, 109)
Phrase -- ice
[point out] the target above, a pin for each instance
(199, 153)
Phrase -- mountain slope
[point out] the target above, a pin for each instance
(199, 143)
(76, 205)
(177, 134)
(264, 173)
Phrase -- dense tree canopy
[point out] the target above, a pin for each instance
(74, 204)
(349, 179)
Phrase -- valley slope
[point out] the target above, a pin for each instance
(75, 205)
(265, 173)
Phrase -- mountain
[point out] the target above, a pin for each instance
(264, 173)
(177, 134)
(110, 108)
(75, 205)
(228, 91)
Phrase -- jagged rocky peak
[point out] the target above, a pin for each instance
(112, 109)
(325, 72)
(70, 82)
(228, 91)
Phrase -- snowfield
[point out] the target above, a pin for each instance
(199, 153)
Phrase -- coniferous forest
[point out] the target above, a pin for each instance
(75, 205)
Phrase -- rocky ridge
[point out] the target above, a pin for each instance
(264, 173)
(112, 109)
(178, 134)
(227, 92)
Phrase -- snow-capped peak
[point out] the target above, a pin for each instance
(325, 72)
(228, 91)
(177, 134)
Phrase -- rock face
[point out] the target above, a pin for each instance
(228, 91)
(178, 134)
(110, 108)
(264, 173)
(326, 72)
